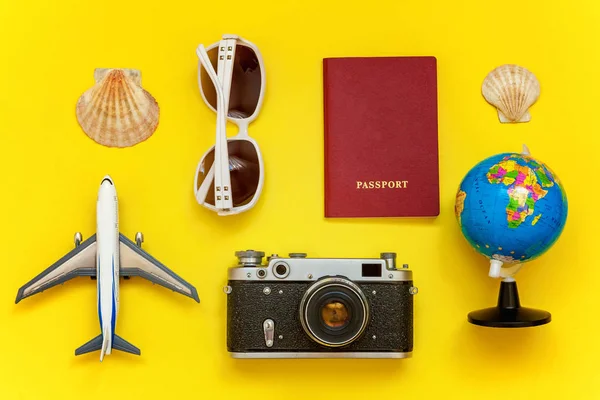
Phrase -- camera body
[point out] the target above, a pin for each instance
(299, 307)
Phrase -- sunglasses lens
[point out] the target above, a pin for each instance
(244, 171)
(245, 85)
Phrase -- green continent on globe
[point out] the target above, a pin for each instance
(524, 186)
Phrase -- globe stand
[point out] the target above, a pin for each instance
(509, 313)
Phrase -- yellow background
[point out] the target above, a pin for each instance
(51, 172)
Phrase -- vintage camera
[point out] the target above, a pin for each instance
(299, 307)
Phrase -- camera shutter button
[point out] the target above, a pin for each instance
(297, 255)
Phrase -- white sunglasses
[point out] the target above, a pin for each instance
(230, 175)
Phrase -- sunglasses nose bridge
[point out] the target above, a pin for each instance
(242, 127)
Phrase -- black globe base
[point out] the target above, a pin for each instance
(509, 313)
(495, 317)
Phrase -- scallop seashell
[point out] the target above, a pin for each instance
(117, 111)
(512, 90)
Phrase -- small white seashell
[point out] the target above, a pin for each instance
(512, 90)
(117, 111)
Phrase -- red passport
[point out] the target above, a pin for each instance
(381, 137)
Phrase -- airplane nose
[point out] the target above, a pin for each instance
(108, 179)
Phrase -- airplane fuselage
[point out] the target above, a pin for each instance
(107, 260)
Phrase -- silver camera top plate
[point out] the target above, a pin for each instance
(300, 268)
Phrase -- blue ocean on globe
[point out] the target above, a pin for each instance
(511, 207)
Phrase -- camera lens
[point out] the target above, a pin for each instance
(334, 312)
(281, 270)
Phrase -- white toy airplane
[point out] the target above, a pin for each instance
(106, 256)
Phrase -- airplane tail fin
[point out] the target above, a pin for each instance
(93, 345)
(101, 342)
(123, 345)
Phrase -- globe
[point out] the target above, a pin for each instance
(511, 207)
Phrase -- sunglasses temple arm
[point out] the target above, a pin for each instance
(221, 179)
(227, 48)
(225, 68)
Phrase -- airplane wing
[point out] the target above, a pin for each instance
(81, 261)
(136, 262)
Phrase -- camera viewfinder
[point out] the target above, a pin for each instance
(371, 270)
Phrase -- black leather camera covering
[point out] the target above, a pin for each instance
(391, 318)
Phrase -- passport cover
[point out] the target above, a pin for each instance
(381, 137)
